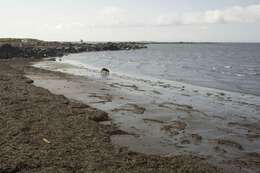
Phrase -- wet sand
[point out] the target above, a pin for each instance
(44, 132)
(218, 126)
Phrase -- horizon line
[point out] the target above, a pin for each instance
(140, 41)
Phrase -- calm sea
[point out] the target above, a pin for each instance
(226, 66)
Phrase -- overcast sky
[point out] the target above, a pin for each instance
(132, 20)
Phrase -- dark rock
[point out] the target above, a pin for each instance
(99, 116)
(8, 51)
(29, 81)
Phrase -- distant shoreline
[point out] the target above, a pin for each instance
(200, 42)
(53, 42)
(33, 48)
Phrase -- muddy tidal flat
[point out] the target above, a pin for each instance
(166, 120)
(44, 132)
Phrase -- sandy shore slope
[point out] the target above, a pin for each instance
(42, 132)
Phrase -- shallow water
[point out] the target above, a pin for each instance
(166, 117)
(232, 67)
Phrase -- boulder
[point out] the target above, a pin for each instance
(99, 116)
(29, 81)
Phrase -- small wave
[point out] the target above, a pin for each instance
(80, 65)
(240, 75)
(228, 67)
(153, 71)
(162, 83)
(253, 74)
(214, 68)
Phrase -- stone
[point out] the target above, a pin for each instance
(99, 116)
(29, 81)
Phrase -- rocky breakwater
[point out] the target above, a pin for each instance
(8, 51)
(59, 49)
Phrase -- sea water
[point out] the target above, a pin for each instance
(226, 66)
